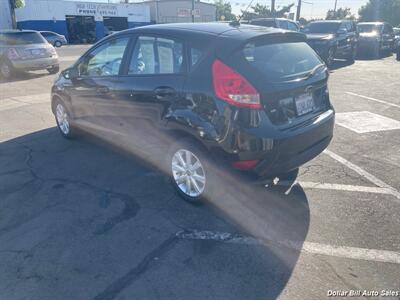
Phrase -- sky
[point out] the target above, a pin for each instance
(311, 9)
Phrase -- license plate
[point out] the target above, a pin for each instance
(304, 104)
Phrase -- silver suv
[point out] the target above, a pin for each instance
(26, 50)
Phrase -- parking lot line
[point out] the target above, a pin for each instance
(339, 187)
(306, 247)
(363, 173)
(373, 99)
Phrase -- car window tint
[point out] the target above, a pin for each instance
(153, 55)
(282, 24)
(282, 61)
(195, 55)
(105, 60)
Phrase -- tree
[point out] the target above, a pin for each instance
(18, 3)
(262, 11)
(224, 11)
(381, 10)
(339, 14)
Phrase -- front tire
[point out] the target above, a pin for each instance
(6, 70)
(352, 55)
(330, 57)
(57, 44)
(53, 70)
(189, 170)
(63, 119)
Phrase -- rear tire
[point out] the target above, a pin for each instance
(57, 44)
(189, 170)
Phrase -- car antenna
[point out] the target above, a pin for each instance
(237, 21)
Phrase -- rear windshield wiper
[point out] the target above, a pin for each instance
(313, 71)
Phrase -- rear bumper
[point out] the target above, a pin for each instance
(35, 64)
(294, 148)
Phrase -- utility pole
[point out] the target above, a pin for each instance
(12, 12)
(335, 6)
(192, 12)
(298, 10)
(273, 7)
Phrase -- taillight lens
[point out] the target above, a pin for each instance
(12, 53)
(233, 87)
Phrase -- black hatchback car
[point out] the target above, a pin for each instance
(190, 97)
(333, 39)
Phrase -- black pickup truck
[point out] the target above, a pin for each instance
(333, 39)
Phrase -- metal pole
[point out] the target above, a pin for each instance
(12, 12)
(298, 10)
(273, 6)
(335, 6)
(192, 11)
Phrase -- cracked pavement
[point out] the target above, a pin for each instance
(81, 220)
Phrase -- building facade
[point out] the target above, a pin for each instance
(5, 15)
(81, 22)
(179, 11)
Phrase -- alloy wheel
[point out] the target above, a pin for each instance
(62, 119)
(188, 173)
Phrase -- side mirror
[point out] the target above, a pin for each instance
(342, 31)
(70, 73)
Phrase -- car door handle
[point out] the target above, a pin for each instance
(103, 90)
(164, 91)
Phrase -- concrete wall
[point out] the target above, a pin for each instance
(50, 15)
(5, 15)
(178, 11)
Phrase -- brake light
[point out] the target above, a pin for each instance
(12, 54)
(233, 88)
(244, 164)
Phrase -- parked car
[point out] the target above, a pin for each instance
(333, 39)
(375, 37)
(26, 50)
(57, 40)
(276, 23)
(192, 97)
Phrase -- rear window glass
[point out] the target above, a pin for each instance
(280, 62)
(22, 38)
(323, 27)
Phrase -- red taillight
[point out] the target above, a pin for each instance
(233, 87)
(12, 53)
(244, 164)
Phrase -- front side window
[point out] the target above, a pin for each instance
(154, 55)
(105, 60)
(292, 26)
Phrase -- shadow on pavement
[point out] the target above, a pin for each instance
(24, 76)
(82, 221)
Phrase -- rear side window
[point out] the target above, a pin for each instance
(280, 62)
(22, 38)
(153, 55)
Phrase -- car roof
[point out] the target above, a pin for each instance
(16, 31)
(242, 31)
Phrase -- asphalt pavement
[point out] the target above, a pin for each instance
(81, 220)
